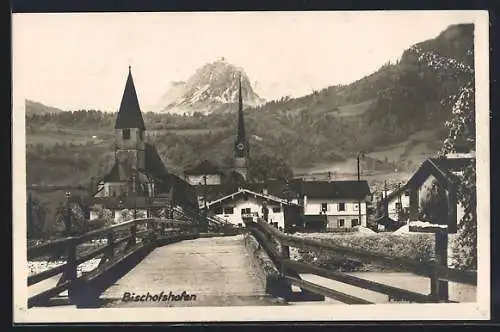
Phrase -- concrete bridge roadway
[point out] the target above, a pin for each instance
(217, 270)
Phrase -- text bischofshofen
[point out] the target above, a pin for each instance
(158, 297)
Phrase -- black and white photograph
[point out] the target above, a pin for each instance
(250, 166)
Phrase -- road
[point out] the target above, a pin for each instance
(217, 270)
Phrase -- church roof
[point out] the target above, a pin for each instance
(129, 114)
(154, 168)
(205, 167)
(153, 163)
(241, 135)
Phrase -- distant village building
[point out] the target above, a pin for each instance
(338, 204)
(398, 204)
(204, 173)
(138, 179)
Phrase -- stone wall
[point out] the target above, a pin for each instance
(267, 271)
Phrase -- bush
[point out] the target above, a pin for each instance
(416, 247)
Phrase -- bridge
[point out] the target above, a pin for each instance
(177, 262)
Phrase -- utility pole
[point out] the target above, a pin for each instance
(205, 206)
(67, 215)
(359, 179)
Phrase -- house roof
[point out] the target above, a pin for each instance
(205, 167)
(335, 189)
(441, 168)
(278, 188)
(129, 114)
(182, 192)
(242, 191)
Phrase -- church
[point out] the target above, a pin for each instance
(138, 180)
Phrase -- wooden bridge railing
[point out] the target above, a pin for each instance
(122, 241)
(277, 244)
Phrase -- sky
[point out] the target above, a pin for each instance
(80, 60)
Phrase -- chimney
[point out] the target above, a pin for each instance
(264, 191)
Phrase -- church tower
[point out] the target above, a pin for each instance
(241, 146)
(130, 129)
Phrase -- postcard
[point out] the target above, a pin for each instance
(251, 166)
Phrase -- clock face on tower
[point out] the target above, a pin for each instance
(240, 146)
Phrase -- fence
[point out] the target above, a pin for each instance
(277, 245)
(123, 241)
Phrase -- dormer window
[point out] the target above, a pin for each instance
(126, 134)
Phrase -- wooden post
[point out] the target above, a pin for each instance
(111, 241)
(133, 234)
(285, 255)
(439, 288)
(71, 271)
(452, 209)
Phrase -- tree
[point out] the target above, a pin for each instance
(264, 167)
(461, 138)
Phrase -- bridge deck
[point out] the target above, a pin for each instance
(217, 270)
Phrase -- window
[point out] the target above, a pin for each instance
(341, 207)
(324, 207)
(140, 135)
(218, 210)
(229, 210)
(354, 222)
(246, 211)
(126, 133)
(341, 222)
(398, 207)
(276, 209)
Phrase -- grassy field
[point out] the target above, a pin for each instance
(49, 136)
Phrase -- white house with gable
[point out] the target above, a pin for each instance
(245, 203)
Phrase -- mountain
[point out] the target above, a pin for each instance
(212, 88)
(395, 115)
(34, 107)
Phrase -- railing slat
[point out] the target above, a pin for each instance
(99, 251)
(359, 282)
(423, 269)
(46, 295)
(33, 279)
(339, 296)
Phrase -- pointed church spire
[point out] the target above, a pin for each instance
(241, 137)
(129, 114)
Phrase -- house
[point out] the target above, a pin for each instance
(138, 179)
(245, 204)
(445, 170)
(205, 173)
(334, 204)
(397, 204)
